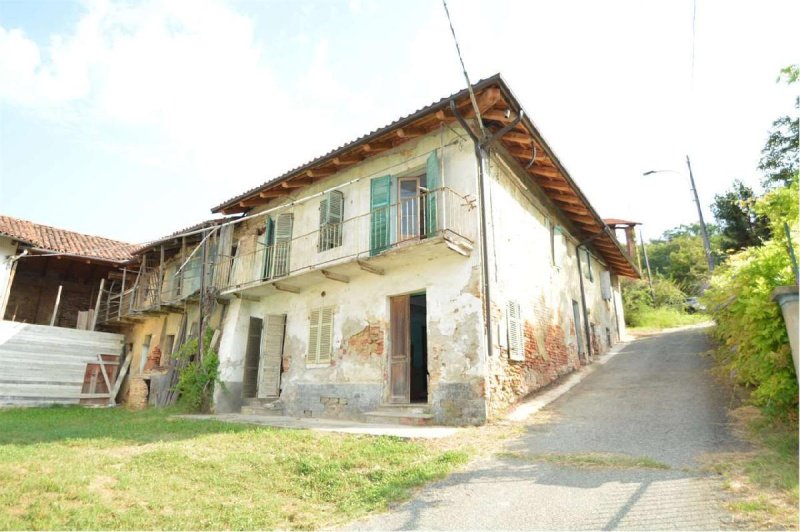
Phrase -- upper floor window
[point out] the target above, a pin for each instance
(587, 271)
(331, 216)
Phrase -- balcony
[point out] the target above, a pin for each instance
(428, 223)
(149, 291)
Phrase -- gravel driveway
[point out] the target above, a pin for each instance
(654, 402)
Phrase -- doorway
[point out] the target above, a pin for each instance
(408, 357)
(251, 358)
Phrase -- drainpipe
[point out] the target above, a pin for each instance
(586, 326)
(482, 145)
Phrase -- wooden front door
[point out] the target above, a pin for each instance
(400, 350)
(269, 369)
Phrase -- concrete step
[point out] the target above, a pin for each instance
(401, 415)
(262, 407)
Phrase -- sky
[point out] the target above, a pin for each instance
(131, 120)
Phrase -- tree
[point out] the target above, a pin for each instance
(779, 156)
(679, 255)
(741, 226)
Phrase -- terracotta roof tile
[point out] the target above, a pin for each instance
(64, 241)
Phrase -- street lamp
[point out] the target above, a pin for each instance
(706, 241)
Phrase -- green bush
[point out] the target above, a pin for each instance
(199, 375)
(639, 304)
(754, 345)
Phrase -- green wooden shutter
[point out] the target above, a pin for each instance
(331, 213)
(432, 183)
(516, 338)
(268, 251)
(335, 216)
(283, 244)
(322, 242)
(380, 203)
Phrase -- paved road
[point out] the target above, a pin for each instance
(654, 399)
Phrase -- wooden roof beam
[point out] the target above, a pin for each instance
(544, 171)
(555, 185)
(347, 160)
(566, 198)
(410, 132)
(272, 193)
(320, 172)
(576, 209)
(298, 182)
(377, 146)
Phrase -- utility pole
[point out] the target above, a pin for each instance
(706, 241)
(647, 262)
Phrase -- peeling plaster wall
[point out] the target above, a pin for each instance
(522, 269)
(355, 380)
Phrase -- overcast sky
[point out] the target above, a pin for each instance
(131, 120)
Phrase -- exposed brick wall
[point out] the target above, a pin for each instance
(547, 357)
(33, 296)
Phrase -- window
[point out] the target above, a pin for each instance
(166, 351)
(330, 221)
(277, 246)
(605, 284)
(587, 272)
(320, 336)
(516, 338)
(144, 352)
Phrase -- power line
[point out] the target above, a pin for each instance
(464, 69)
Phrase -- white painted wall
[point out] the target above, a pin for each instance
(523, 270)
(451, 282)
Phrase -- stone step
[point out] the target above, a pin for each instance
(262, 407)
(400, 415)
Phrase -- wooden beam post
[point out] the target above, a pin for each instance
(93, 324)
(55, 307)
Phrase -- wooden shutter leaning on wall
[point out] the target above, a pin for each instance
(516, 336)
(269, 367)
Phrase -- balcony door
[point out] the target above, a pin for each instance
(409, 214)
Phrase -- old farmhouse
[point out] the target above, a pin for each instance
(436, 270)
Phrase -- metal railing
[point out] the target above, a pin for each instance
(414, 219)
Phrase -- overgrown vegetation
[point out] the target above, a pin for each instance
(753, 342)
(76, 468)
(198, 375)
(662, 308)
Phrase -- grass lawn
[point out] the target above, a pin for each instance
(764, 480)
(76, 468)
(664, 318)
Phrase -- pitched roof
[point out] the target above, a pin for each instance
(64, 241)
(193, 229)
(521, 140)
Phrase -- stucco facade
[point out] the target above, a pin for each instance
(466, 382)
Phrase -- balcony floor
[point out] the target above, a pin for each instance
(400, 256)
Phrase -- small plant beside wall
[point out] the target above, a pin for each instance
(198, 375)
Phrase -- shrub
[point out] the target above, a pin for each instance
(638, 302)
(199, 375)
(754, 345)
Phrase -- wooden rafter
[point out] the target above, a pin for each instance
(411, 132)
(544, 171)
(298, 182)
